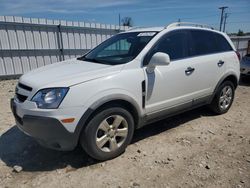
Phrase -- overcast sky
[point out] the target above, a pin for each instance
(143, 12)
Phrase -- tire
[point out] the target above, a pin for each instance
(220, 103)
(108, 133)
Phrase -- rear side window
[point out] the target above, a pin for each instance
(203, 43)
(222, 43)
(173, 43)
(206, 42)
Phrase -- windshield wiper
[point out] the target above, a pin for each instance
(90, 60)
(80, 58)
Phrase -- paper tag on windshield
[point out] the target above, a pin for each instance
(146, 34)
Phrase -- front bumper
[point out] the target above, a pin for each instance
(48, 131)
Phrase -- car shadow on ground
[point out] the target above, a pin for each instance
(18, 149)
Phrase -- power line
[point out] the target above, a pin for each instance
(210, 15)
(240, 22)
(200, 17)
(240, 12)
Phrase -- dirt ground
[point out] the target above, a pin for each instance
(194, 149)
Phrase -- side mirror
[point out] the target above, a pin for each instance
(158, 59)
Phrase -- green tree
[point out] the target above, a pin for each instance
(240, 33)
(127, 21)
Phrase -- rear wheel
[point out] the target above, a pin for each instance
(223, 98)
(108, 133)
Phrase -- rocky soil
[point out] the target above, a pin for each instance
(194, 149)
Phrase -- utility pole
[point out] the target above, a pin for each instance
(119, 20)
(225, 21)
(222, 15)
(179, 21)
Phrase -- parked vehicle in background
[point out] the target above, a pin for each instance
(132, 79)
(245, 65)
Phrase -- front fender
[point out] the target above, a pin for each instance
(112, 95)
(98, 100)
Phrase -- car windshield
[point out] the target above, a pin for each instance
(119, 49)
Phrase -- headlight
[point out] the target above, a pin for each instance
(49, 98)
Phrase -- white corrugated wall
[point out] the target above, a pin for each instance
(28, 43)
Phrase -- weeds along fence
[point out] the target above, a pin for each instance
(28, 43)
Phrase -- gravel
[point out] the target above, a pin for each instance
(194, 149)
(17, 168)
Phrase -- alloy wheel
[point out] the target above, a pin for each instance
(226, 97)
(111, 133)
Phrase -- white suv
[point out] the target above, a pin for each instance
(130, 80)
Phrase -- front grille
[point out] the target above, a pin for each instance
(21, 98)
(24, 87)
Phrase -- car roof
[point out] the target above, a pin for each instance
(173, 26)
(145, 29)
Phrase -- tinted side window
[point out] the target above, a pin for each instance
(204, 42)
(222, 43)
(174, 44)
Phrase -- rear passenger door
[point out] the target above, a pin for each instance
(208, 58)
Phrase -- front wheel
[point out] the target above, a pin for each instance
(223, 98)
(108, 133)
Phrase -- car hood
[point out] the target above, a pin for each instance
(67, 73)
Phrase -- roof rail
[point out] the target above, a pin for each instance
(176, 24)
(137, 27)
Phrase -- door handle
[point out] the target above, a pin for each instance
(220, 63)
(189, 70)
